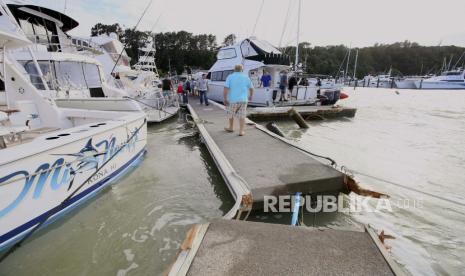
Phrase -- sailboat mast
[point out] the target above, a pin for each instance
(347, 64)
(298, 37)
(355, 65)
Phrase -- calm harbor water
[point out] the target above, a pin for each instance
(413, 139)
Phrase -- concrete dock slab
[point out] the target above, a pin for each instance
(231, 247)
(308, 112)
(268, 166)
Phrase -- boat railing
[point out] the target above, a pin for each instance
(57, 43)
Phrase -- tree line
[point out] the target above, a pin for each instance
(182, 50)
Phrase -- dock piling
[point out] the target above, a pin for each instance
(295, 115)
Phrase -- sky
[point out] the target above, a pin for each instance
(324, 22)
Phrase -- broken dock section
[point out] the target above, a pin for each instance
(231, 247)
(259, 164)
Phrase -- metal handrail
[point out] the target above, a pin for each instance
(78, 43)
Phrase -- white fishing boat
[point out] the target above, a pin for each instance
(142, 82)
(74, 77)
(256, 57)
(454, 79)
(53, 158)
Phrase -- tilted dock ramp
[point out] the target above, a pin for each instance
(231, 247)
(260, 164)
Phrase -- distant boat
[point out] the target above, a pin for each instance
(407, 83)
(381, 81)
(454, 79)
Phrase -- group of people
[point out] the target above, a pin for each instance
(286, 83)
(238, 91)
(186, 88)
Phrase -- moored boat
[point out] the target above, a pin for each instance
(454, 79)
(53, 158)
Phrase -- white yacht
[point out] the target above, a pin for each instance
(454, 79)
(142, 82)
(379, 81)
(257, 56)
(53, 158)
(74, 78)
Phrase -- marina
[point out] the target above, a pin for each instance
(116, 157)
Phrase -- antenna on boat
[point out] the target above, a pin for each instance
(285, 23)
(127, 41)
(347, 64)
(258, 17)
(298, 37)
(355, 66)
(460, 58)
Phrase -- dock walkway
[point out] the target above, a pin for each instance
(259, 164)
(264, 164)
(231, 247)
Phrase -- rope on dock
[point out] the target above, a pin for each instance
(259, 127)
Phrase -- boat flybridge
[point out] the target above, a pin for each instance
(454, 79)
(141, 83)
(256, 57)
(53, 158)
(68, 71)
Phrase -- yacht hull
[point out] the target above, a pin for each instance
(262, 97)
(439, 85)
(405, 84)
(40, 179)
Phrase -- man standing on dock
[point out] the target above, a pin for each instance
(203, 87)
(238, 91)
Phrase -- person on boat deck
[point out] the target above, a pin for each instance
(238, 91)
(303, 82)
(292, 84)
(166, 86)
(265, 80)
(318, 88)
(283, 85)
(203, 87)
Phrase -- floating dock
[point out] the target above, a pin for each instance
(307, 112)
(231, 247)
(261, 163)
(258, 164)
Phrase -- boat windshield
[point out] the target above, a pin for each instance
(226, 53)
(63, 74)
